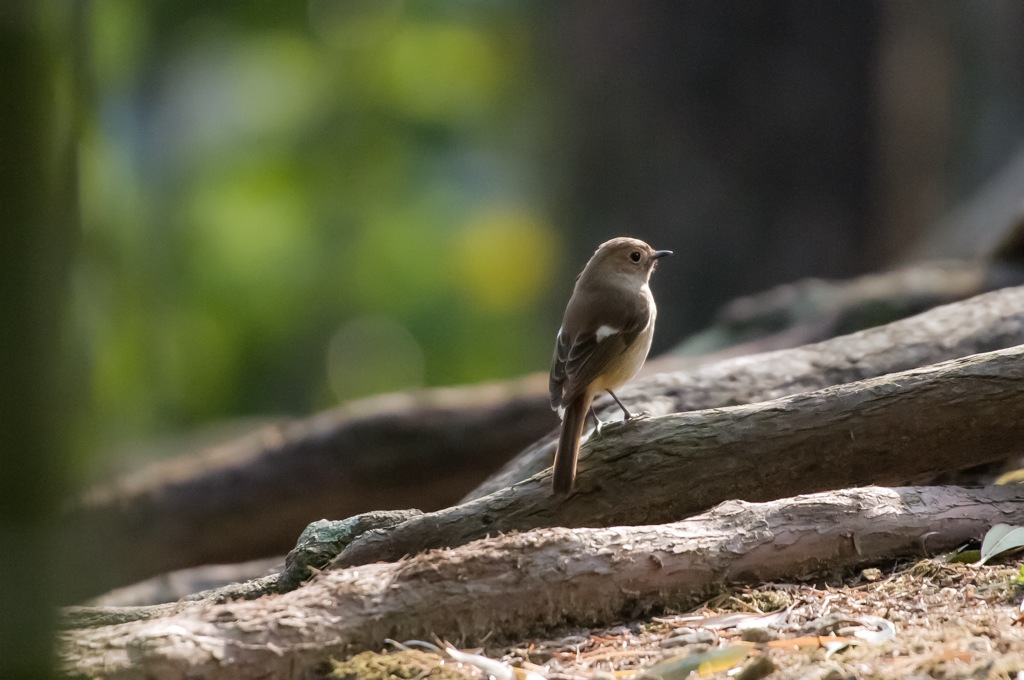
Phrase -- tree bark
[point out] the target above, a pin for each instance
(543, 578)
(376, 453)
(813, 310)
(983, 323)
(42, 61)
(428, 449)
(885, 430)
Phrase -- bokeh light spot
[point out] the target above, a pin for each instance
(250, 235)
(505, 260)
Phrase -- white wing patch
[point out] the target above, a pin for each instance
(604, 331)
(561, 412)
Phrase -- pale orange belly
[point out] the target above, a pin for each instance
(631, 363)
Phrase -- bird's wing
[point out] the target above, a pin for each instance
(584, 350)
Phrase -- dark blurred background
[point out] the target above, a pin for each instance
(287, 205)
(219, 211)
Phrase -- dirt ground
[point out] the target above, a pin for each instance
(925, 620)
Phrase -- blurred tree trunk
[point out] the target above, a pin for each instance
(769, 142)
(737, 134)
(949, 118)
(38, 207)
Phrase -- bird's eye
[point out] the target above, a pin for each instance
(635, 256)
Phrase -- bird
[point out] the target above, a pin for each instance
(603, 341)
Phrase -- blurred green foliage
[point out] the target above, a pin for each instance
(287, 206)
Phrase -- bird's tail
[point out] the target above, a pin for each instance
(564, 471)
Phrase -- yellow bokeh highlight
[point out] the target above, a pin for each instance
(505, 260)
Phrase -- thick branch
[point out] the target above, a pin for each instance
(510, 584)
(815, 309)
(317, 546)
(983, 323)
(427, 449)
(252, 497)
(880, 431)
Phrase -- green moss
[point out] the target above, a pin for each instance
(403, 665)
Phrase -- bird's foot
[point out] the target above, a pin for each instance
(627, 415)
(604, 426)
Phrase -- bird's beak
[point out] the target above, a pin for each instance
(660, 253)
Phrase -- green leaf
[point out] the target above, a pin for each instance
(965, 557)
(999, 539)
(704, 663)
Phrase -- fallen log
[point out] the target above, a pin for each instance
(885, 430)
(430, 448)
(508, 585)
(251, 498)
(177, 585)
(986, 322)
(317, 545)
(812, 310)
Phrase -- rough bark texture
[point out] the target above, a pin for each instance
(185, 583)
(546, 577)
(885, 430)
(428, 449)
(983, 323)
(814, 309)
(317, 546)
(251, 498)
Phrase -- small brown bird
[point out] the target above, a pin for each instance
(605, 336)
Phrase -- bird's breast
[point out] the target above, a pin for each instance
(631, 360)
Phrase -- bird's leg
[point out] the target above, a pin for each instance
(625, 411)
(599, 424)
(627, 416)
